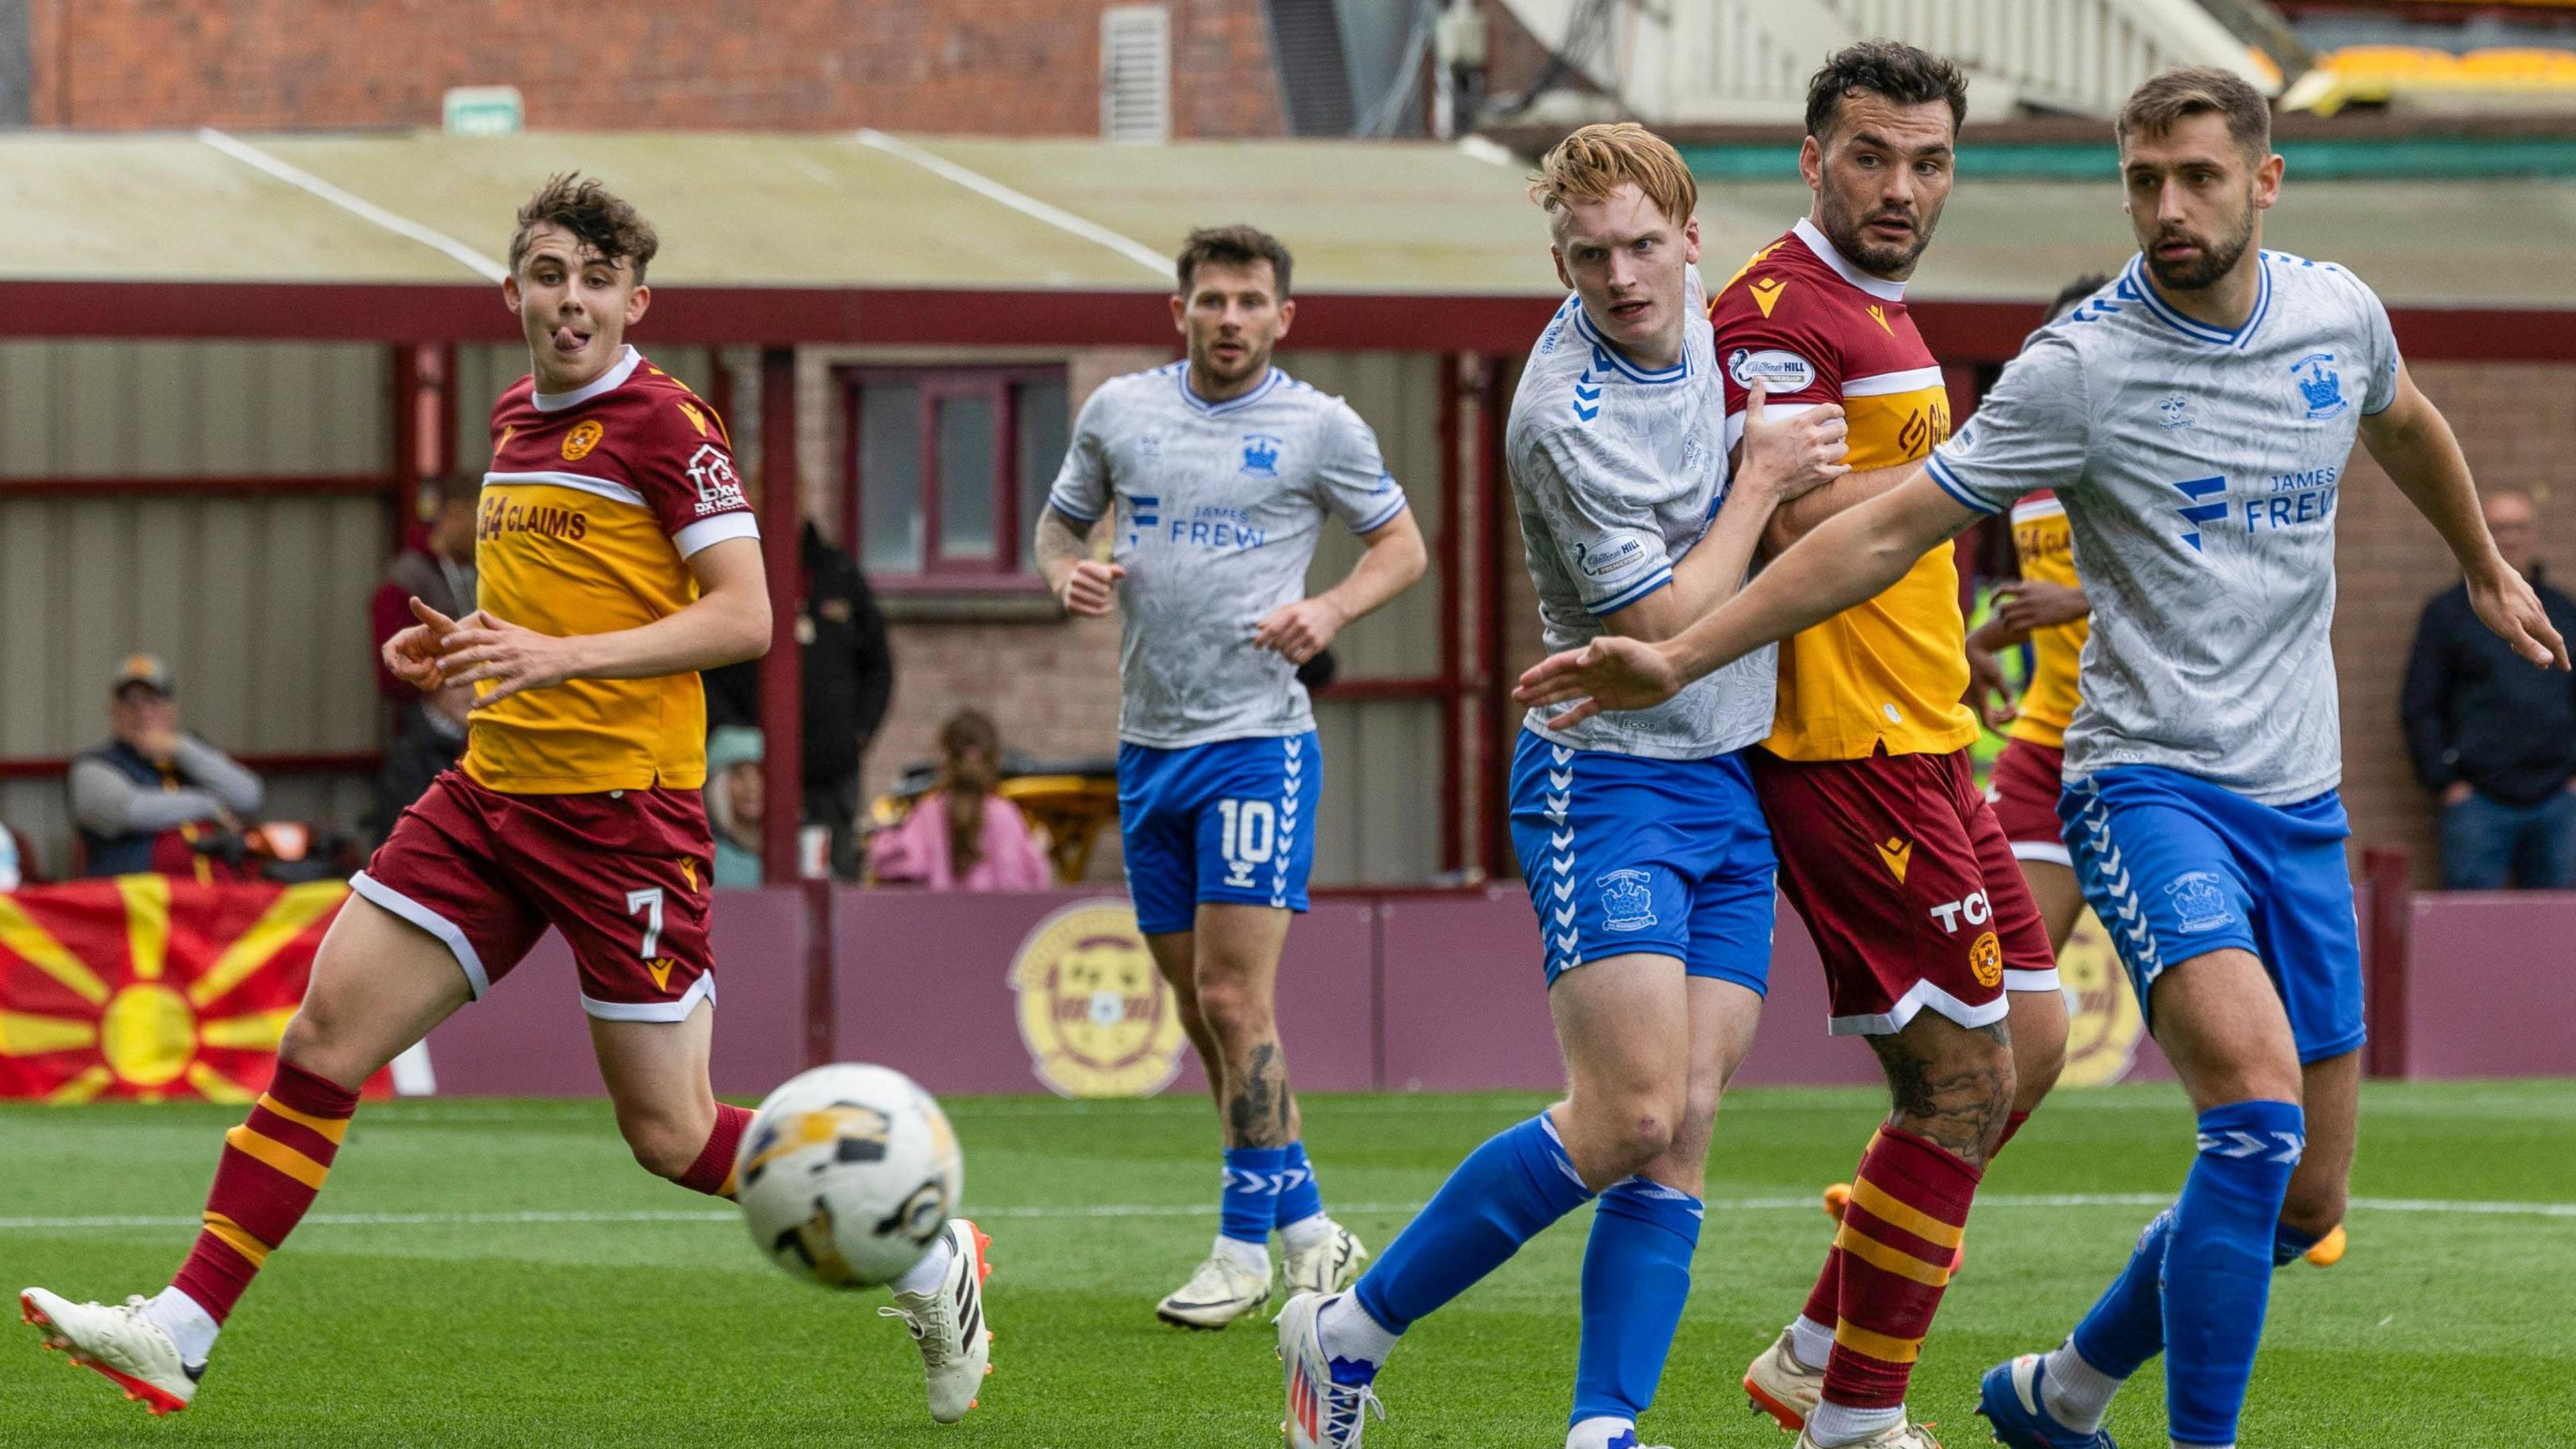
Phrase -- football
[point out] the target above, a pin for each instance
(847, 1174)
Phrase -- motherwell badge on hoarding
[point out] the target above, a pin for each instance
(2103, 1023)
(1098, 1019)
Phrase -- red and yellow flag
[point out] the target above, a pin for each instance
(146, 988)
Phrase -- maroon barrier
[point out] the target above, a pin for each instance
(2488, 985)
(528, 1037)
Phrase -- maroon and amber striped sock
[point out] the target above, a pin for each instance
(272, 1167)
(712, 1173)
(1899, 1237)
(1824, 1301)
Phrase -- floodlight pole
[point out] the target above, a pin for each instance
(782, 701)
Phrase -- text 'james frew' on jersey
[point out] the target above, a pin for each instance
(1219, 506)
(2200, 467)
(594, 502)
(1617, 470)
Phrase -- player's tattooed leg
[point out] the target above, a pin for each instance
(1258, 1105)
(1950, 1084)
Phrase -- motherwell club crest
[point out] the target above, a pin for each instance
(1098, 1019)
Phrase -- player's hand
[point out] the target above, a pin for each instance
(1989, 693)
(484, 646)
(1301, 630)
(2506, 604)
(413, 654)
(1610, 673)
(1091, 590)
(1793, 456)
(2027, 604)
(2458, 792)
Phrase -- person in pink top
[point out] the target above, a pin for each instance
(963, 836)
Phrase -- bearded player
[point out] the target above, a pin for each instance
(1221, 471)
(617, 557)
(2196, 417)
(1932, 951)
(1645, 852)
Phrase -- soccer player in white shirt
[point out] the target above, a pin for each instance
(2196, 417)
(1221, 471)
(1645, 851)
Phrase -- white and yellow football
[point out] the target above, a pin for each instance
(847, 1174)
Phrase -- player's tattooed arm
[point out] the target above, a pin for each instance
(1855, 556)
(1257, 1109)
(2413, 441)
(1084, 585)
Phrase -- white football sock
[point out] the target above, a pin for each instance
(1810, 1342)
(1255, 1257)
(2074, 1392)
(1834, 1424)
(187, 1322)
(1596, 1433)
(1346, 1331)
(928, 1275)
(1307, 1232)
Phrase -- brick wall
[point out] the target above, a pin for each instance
(1010, 67)
(2517, 423)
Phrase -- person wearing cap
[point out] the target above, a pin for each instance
(144, 799)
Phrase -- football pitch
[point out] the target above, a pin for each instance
(500, 1273)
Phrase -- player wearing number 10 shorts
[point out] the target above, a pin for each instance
(617, 557)
(1214, 477)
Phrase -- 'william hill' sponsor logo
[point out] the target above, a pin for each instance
(502, 517)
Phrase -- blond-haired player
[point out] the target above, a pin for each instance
(1645, 851)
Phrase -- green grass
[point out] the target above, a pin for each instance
(2441, 1328)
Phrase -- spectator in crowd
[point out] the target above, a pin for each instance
(849, 680)
(2493, 735)
(431, 743)
(962, 836)
(144, 800)
(734, 803)
(438, 569)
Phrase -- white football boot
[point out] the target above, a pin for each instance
(1905, 1434)
(1221, 1291)
(119, 1342)
(1781, 1385)
(948, 1324)
(1328, 1267)
(1323, 1413)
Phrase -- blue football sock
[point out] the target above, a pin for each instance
(2126, 1326)
(1503, 1195)
(2218, 1268)
(1251, 1193)
(1636, 1276)
(1300, 1196)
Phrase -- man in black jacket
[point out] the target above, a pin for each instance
(849, 681)
(2495, 737)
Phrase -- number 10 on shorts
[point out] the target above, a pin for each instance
(1251, 837)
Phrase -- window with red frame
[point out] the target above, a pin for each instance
(948, 468)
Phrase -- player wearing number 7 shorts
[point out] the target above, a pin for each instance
(1214, 477)
(617, 557)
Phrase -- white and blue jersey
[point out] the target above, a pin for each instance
(1217, 508)
(1637, 832)
(2200, 468)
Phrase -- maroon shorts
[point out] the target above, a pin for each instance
(2023, 788)
(623, 874)
(1907, 885)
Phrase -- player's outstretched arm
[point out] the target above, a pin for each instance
(2413, 441)
(1853, 557)
(728, 622)
(1082, 584)
(1395, 557)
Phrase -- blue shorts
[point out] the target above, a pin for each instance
(1232, 821)
(1626, 854)
(2176, 867)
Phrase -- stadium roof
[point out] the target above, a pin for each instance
(864, 237)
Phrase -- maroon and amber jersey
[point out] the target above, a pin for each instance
(1813, 328)
(593, 504)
